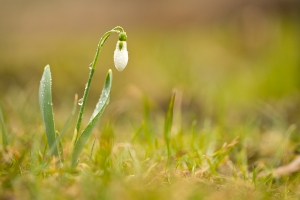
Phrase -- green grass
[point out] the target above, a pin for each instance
(201, 161)
(219, 137)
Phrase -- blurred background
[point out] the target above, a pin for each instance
(228, 60)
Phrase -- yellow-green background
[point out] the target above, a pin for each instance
(225, 58)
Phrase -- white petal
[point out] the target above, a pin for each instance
(121, 56)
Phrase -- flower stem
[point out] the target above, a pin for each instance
(103, 39)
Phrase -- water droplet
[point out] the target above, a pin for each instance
(91, 65)
(80, 101)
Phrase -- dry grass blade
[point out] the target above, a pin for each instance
(290, 168)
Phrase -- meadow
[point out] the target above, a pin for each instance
(198, 113)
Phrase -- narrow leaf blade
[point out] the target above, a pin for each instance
(100, 107)
(168, 124)
(45, 100)
(3, 128)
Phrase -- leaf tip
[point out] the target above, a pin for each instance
(47, 66)
(109, 75)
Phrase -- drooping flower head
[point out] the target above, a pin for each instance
(121, 53)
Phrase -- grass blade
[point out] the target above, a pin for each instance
(100, 107)
(45, 100)
(3, 129)
(59, 147)
(70, 118)
(168, 124)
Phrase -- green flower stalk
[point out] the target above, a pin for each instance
(103, 39)
(121, 59)
(45, 98)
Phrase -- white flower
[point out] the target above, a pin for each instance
(121, 55)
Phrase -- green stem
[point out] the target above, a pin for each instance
(85, 95)
(103, 39)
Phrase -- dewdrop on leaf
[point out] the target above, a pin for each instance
(121, 53)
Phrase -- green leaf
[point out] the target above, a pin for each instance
(168, 124)
(3, 129)
(45, 99)
(100, 107)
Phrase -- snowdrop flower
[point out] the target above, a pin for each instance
(121, 53)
